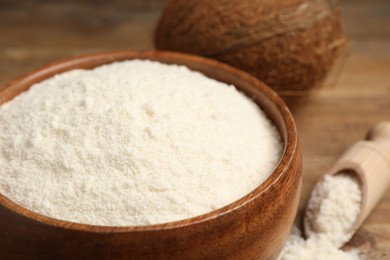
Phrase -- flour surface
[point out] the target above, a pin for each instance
(133, 143)
(333, 207)
(316, 247)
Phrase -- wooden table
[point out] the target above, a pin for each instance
(355, 96)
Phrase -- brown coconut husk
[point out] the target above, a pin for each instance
(290, 45)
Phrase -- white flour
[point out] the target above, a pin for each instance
(316, 247)
(333, 207)
(133, 143)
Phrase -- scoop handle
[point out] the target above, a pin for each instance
(370, 160)
(380, 135)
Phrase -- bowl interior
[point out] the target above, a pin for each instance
(268, 100)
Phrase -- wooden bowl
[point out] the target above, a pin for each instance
(253, 227)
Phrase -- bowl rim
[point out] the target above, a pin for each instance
(289, 152)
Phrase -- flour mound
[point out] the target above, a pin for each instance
(333, 207)
(133, 143)
(316, 247)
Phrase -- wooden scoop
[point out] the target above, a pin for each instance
(369, 160)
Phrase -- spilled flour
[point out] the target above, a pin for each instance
(133, 143)
(316, 247)
(333, 207)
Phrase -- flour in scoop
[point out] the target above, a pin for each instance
(133, 143)
(333, 207)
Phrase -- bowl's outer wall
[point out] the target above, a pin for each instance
(256, 229)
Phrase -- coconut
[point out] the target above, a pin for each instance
(290, 45)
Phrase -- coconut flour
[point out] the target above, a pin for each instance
(333, 208)
(133, 143)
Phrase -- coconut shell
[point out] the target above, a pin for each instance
(290, 45)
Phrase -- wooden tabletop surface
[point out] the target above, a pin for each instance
(354, 97)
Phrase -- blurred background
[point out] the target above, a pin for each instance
(354, 97)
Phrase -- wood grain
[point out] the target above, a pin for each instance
(354, 98)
